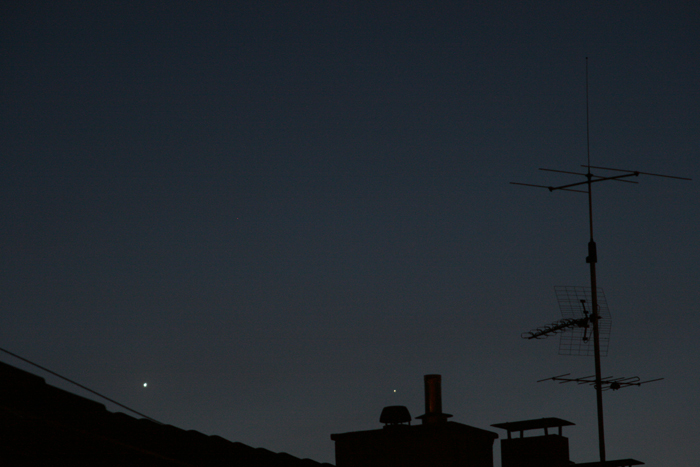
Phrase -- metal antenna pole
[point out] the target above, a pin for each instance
(579, 321)
(592, 259)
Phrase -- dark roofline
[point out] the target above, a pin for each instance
(446, 426)
(617, 463)
(524, 425)
(43, 425)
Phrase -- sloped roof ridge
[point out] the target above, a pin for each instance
(68, 420)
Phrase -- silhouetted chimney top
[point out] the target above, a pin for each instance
(433, 401)
(395, 415)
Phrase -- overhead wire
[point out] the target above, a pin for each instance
(80, 385)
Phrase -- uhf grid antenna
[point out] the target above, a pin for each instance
(575, 328)
(595, 313)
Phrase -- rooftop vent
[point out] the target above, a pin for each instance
(395, 415)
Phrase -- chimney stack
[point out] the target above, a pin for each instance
(433, 401)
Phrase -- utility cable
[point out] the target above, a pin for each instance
(80, 386)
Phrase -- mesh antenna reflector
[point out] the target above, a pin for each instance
(576, 302)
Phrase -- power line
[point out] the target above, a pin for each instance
(80, 386)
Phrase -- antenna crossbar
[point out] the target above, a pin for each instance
(606, 384)
(591, 179)
(588, 182)
(550, 188)
(636, 171)
(585, 175)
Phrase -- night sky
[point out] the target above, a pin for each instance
(281, 215)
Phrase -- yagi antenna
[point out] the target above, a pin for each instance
(576, 326)
(607, 383)
(595, 319)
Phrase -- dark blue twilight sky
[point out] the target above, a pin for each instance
(278, 213)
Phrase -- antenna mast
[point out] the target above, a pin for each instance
(592, 258)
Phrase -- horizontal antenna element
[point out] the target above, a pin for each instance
(592, 178)
(635, 171)
(556, 327)
(607, 383)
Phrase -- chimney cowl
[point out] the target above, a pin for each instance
(395, 415)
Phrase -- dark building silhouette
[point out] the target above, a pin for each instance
(548, 450)
(435, 442)
(43, 425)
